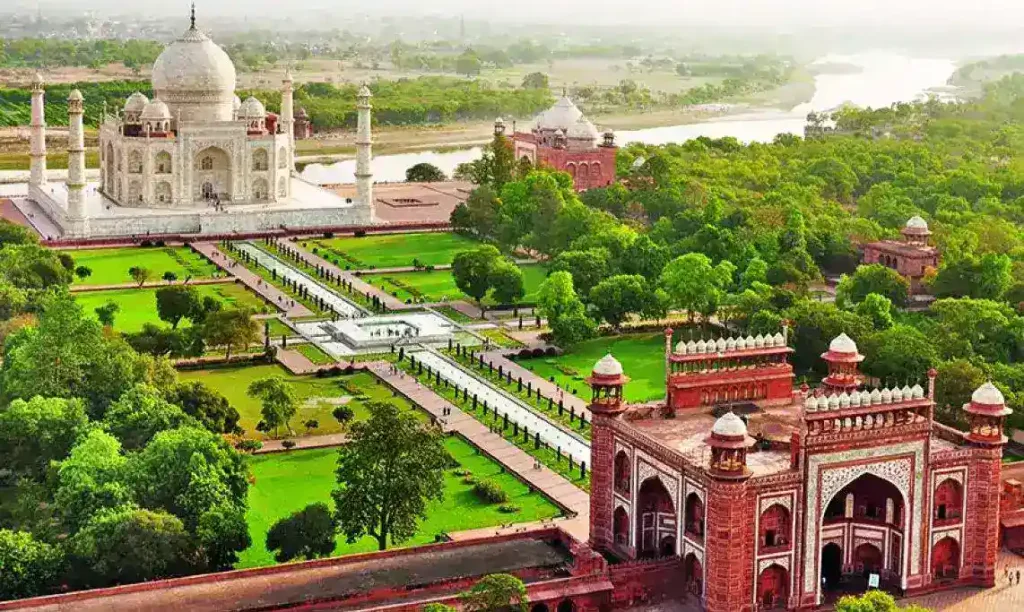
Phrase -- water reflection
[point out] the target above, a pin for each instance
(885, 78)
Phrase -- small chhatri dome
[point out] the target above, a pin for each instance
(988, 395)
(156, 110)
(842, 344)
(135, 103)
(37, 81)
(364, 92)
(916, 223)
(729, 425)
(252, 109)
(75, 95)
(608, 366)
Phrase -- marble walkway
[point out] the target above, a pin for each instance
(358, 284)
(252, 280)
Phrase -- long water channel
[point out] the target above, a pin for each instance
(884, 78)
(518, 412)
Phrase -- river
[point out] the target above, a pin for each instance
(885, 78)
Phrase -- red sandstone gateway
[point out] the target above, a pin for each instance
(794, 498)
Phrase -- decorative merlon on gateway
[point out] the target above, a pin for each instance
(725, 345)
(842, 401)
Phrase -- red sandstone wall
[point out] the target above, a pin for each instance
(981, 529)
(729, 547)
(571, 161)
(602, 475)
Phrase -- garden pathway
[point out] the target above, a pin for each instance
(358, 284)
(517, 461)
(303, 442)
(151, 284)
(252, 280)
(547, 388)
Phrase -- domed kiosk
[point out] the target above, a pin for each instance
(193, 160)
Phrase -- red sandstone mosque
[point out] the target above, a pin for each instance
(739, 493)
(562, 138)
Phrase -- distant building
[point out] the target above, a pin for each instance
(911, 257)
(564, 139)
(303, 126)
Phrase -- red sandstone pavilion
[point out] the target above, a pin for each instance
(737, 494)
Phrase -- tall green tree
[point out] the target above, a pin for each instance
(231, 329)
(36, 432)
(278, 401)
(507, 282)
(91, 479)
(619, 296)
(387, 472)
(140, 414)
(587, 267)
(874, 278)
(205, 404)
(472, 271)
(176, 303)
(695, 285)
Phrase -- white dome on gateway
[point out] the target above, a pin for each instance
(195, 78)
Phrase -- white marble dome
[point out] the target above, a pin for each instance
(917, 223)
(155, 110)
(583, 130)
(136, 102)
(729, 425)
(989, 395)
(608, 366)
(252, 109)
(195, 76)
(562, 116)
(842, 344)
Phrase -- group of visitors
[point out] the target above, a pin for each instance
(1010, 575)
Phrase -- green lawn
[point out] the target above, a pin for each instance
(314, 354)
(278, 329)
(110, 266)
(642, 357)
(315, 395)
(393, 250)
(439, 285)
(138, 306)
(287, 482)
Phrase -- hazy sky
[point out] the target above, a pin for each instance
(767, 14)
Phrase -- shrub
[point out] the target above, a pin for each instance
(360, 233)
(249, 446)
(490, 492)
(468, 479)
(288, 444)
(462, 472)
(508, 508)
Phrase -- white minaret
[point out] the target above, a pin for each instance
(288, 118)
(364, 148)
(76, 156)
(37, 171)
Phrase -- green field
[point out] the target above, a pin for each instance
(110, 266)
(138, 306)
(278, 329)
(393, 250)
(642, 357)
(317, 396)
(439, 285)
(287, 482)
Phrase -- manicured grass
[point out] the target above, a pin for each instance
(314, 395)
(314, 354)
(393, 250)
(439, 285)
(287, 482)
(110, 266)
(278, 329)
(499, 337)
(138, 306)
(642, 357)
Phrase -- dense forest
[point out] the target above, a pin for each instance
(739, 235)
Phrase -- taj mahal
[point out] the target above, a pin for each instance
(193, 160)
